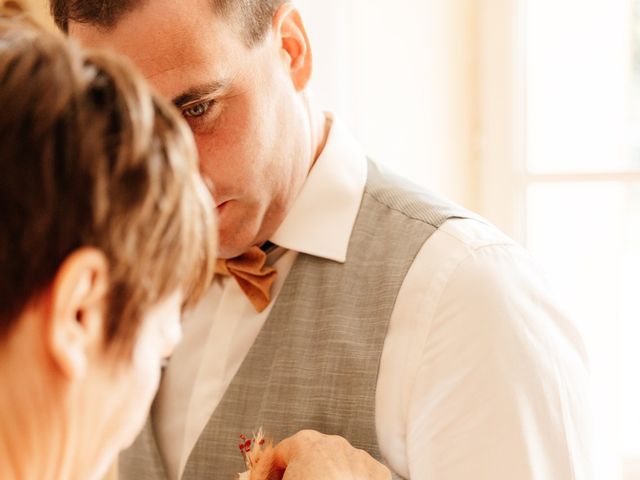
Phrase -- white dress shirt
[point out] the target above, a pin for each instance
(481, 376)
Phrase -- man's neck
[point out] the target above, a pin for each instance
(320, 124)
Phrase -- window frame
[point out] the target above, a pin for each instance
(501, 161)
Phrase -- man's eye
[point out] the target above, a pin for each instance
(197, 110)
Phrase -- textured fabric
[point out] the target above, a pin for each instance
(315, 362)
(142, 461)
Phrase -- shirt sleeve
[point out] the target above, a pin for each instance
(499, 387)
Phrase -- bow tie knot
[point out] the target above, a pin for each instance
(253, 275)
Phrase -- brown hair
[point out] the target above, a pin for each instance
(255, 16)
(91, 158)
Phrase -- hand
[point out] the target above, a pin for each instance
(310, 455)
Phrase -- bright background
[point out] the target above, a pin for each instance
(527, 111)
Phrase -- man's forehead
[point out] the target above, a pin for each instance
(173, 47)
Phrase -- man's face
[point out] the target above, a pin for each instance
(248, 119)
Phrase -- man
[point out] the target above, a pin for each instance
(395, 319)
(98, 171)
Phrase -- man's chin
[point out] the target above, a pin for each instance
(232, 249)
(234, 241)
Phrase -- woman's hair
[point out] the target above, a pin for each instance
(90, 157)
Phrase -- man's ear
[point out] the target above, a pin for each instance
(291, 33)
(76, 318)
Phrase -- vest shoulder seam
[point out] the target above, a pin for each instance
(396, 209)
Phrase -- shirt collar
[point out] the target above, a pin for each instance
(322, 217)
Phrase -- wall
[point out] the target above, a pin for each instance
(403, 75)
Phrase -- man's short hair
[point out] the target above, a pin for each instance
(254, 16)
(90, 157)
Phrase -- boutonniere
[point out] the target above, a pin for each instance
(257, 453)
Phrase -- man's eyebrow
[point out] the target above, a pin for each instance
(198, 93)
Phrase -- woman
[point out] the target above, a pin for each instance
(107, 233)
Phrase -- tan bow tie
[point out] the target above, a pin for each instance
(253, 276)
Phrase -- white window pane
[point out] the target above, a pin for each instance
(587, 236)
(578, 84)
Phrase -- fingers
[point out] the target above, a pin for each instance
(264, 468)
(312, 455)
(292, 447)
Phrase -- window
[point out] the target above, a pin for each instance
(566, 136)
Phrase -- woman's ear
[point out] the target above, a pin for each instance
(76, 319)
(291, 34)
(13, 5)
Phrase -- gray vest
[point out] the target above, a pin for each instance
(314, 364)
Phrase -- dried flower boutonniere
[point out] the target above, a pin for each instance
(257, 453)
